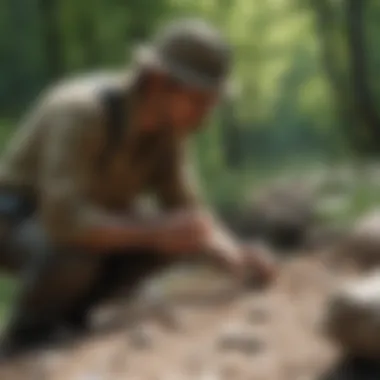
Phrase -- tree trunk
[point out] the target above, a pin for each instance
(87, 34)
(327, 29)
(364, 104)
(52, 38)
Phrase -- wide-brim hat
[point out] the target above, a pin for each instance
(192, 52)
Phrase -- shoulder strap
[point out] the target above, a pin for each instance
(113, 102)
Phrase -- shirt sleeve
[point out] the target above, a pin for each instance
(72, 143)
(177, 185)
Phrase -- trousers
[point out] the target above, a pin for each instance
(61, 285)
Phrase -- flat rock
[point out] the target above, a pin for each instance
(237, 339)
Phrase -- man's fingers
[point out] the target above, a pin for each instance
(262, 263)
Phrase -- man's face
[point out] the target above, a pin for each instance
(188, 107)
(183, 107)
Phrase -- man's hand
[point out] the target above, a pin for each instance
(260, 263)
(196, 231)
(248, 262)
(221, 247)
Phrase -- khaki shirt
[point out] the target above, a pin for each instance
(55, 155)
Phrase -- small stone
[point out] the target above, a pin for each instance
(258, 315)
(141, 339)
(239, 340)
(168, 317)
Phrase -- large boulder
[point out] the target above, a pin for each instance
(283, 214)
(352, 316)
(361, 245)
(323, 238)
(290, 212)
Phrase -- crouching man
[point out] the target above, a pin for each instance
(72, 172)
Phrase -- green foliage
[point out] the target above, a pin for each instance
(290, 104)
(8, 289)
(286, 104)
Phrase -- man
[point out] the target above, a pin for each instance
(74, 169)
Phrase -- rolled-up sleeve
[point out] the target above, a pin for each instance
(67, 162)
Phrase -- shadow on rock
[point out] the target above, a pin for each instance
(353, 368)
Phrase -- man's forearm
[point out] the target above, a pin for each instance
(102, 232)
(115, 237)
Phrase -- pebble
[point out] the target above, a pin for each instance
(141, 338)
(237, 339)
(168, 318)
(258, 314)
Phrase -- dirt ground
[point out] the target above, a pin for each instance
(270, 334)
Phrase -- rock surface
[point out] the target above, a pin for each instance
(362, 243)
(353, 316)
(282, 319)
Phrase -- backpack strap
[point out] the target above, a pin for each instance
(113, 101)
